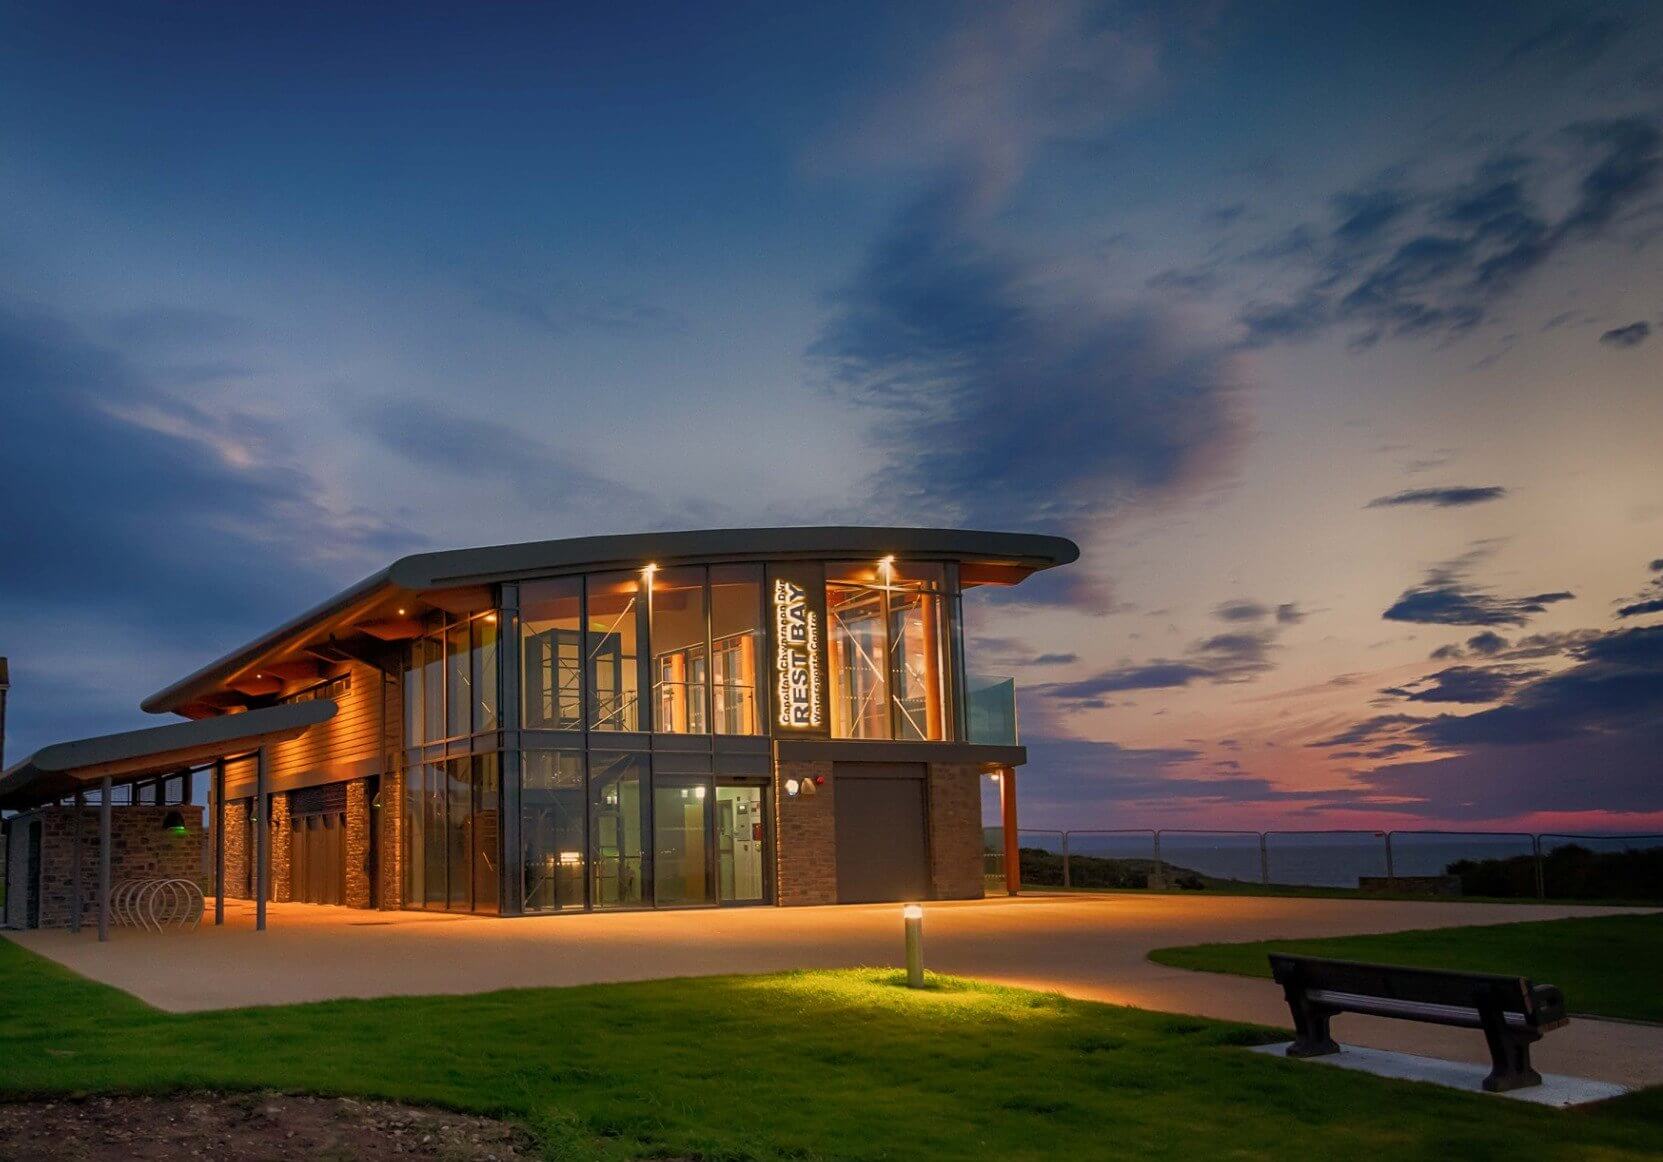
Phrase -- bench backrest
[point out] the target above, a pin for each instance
(1511, 994)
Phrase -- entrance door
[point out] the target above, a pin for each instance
(882, 851)
(681, 841)
(741, 828)
(317, 859)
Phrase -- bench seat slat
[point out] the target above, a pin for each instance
(1462, 1015)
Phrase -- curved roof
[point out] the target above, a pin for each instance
(57, 770)
(424, 573)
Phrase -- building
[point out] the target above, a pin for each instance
(729, 717)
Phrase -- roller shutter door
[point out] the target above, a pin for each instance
(882, 846)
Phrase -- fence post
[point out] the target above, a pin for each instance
(1159, 882)
(1065, 877)
(1541, 879)
(1264, 860)
(1391, 874)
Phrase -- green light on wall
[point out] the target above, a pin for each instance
(174, 823)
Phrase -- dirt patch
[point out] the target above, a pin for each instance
(250, 1127)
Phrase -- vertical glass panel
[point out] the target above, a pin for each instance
(434, 839)
(915, 653)
(485, 836)
(740, 839)
(433, 688)
(552, 809)
(413, 716)
(415, 834)
(551, 629)
(458, 825)
(680, 667)
(858, 661)
(485, 673)
(681, 820)
(736, 637)
(611, 648)
(617, 829)
(458, 682)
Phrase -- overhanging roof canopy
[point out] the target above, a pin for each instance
(376, 603)
(58, 770)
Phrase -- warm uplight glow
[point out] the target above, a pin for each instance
(401, 612)
(913, 912)
(491, 618)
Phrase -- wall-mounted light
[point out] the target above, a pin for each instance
(792, 786)
(174, 823)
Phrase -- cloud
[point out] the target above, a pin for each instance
(1289, 613)
(1453, 496)
(1484, 644)
(1370, 730)
(1446, 597)
(1242, 610)
(1568, 42)
(1650, 597)
(564, 308)
(1400, 262)
(1542, 748)
(966, 360)
(1237, 656)
(1469, 684)
(1630, 336)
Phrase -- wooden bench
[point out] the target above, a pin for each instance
(1513, 1012)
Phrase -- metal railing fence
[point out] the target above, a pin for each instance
(1481, 863)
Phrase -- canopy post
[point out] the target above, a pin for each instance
(104, 797)
(75, 872)
(262, 840)
(219, 842)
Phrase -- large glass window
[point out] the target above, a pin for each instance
(680, 661)
(431, 651)
(886, 653)
(452, 827)
(613, 652)
(450, 681)
(485, 673)
(681, 841)
(551, 621)
(735, 637)
(553, 807)
(458, 682)
(740, 844)
(617, 830)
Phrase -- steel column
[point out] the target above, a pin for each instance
(219, 842)
(1013, 852)
(104, 859)
(262, 840)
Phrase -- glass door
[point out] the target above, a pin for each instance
(681, 842)
(741, 845)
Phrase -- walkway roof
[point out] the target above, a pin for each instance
(63, 768)
(455, 578)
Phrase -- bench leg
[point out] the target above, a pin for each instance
(1310, 1024)
(1509, 1054)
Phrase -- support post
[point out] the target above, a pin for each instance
(1264, 860)
(1541, 878)
(219, 842)
(104, 859)
(262, 840)
(1007, 811)
(75, 875)
(1065, 875)
(1391, 872)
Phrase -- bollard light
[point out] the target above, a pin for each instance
(913, 914)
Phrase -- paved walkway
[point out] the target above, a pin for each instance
(1088, 946)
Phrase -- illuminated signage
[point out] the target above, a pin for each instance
(797, 663)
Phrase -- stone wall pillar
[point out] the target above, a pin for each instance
(955, 798)
(391, 843)
(805, 836)
(281, 835)
(238, 865)
(358, 823)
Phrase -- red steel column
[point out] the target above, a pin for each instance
(1007, 806)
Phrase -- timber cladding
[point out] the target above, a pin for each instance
(350, 745)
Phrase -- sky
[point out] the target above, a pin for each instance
(1332, 332)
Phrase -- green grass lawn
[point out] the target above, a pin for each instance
(800, 1066)
(1608, 966)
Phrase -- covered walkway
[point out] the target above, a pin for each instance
(92, 770)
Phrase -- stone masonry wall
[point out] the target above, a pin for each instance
(805, 836)
(955, 798)
(391, 842)
(281, 838)
(238, 859)
(140, 848)
(358, 824)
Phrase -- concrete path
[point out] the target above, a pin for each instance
(1088, 946)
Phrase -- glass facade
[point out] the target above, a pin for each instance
(682, 652)
(887, 651)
